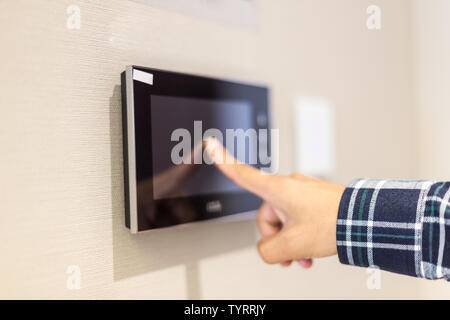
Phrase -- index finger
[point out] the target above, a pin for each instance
(268, 187)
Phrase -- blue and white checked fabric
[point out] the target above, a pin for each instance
(398, 226)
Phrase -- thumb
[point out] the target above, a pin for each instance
(268, 187)
(273, 249)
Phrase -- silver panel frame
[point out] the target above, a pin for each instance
(131, 151)
(132, 180)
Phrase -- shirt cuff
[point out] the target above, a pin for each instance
(397, 226)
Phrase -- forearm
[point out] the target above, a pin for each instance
(398, 226)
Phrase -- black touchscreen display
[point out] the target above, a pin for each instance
(178, 125)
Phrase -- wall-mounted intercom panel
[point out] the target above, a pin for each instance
(166, 118)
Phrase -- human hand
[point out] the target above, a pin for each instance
(298, 218)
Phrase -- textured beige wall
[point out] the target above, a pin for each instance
(61, 198)
(431, 48)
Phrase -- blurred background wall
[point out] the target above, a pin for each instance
(431, 62)
(61, 190)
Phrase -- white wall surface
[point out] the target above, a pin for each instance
(61, 190)
(431, 48)
(431, 30)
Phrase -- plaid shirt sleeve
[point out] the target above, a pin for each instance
(398, 226)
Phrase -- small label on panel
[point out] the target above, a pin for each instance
(143, 76)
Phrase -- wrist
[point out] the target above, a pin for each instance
(332, 216)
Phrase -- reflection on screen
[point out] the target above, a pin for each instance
(170, 113)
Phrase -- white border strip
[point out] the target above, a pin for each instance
(420, 213)
(442, 234)
(350, 244)
(348, 228)
(373, 203)
(380, 224)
